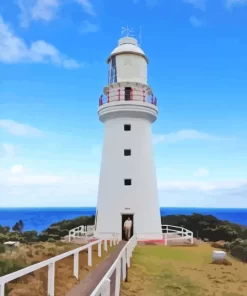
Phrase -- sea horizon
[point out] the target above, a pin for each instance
(36, 218)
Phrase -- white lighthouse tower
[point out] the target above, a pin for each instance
(127, 184)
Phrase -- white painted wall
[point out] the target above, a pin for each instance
(141, 197)
(131, 67)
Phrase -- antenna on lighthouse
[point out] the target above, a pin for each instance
(127, 31)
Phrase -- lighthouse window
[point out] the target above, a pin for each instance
(127, 152)
(127, 182)
(127, 127)
(112, 71)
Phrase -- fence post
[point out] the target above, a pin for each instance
(118, 279)
(89, 250)
(76, 265)
(106, 288)
(128, 257)
(2, 289)
(51, 279)
(105, 245)
(99, 249)
(124, 266)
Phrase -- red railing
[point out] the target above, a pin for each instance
(130, 95)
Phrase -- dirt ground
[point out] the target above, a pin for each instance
(183, 271)
(35, 284)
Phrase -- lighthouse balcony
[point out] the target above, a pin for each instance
(127, 94)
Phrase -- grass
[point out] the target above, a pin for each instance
(36, 282)
(183, 271)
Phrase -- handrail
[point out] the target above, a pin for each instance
(183, 233)
(51, 264)
(134, 95)
(122, 262)
(82, 231)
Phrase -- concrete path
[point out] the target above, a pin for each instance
(91, 281)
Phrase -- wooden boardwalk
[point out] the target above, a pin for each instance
(91, 281)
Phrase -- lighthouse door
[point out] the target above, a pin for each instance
(127, 95)
(124, 218)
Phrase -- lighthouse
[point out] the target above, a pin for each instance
(127, 183)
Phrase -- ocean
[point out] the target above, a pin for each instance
(40, 218)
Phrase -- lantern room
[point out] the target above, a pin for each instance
(127, 62)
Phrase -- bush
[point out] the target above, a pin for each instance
(51, 240)
(54, 236)
(30, 236)
(3, 238)
(240, 252)
(7, 266)
(219, 245)
(43, 236)
(2, 248)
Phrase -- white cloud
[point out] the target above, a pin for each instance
(14, 50)
(19, 129)
(200, 4)
(202, 172)
(87, 6)
(200, 185)
(88, 27)
(44, 10)
(7, 150)
(231, 3)
(34, 189)
(181, 136)
(17, 169)
(195, 22)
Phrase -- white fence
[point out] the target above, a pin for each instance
(121, 264)
(82, 232)
(171, 232)
(51, 264)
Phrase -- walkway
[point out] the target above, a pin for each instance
(91, 281)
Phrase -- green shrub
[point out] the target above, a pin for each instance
(54, 236)
(3, 238)
(7, 266)
(51, 240)
(2, 248)
(43, 236)
(240, 252)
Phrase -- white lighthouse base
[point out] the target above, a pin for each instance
(140, 237)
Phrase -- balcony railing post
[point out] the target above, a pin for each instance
(51, 279)
(108, 96)
(144, 96)
(131, 94)
(119, 94)
(100, 100)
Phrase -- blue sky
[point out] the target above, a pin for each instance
(53, 70)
